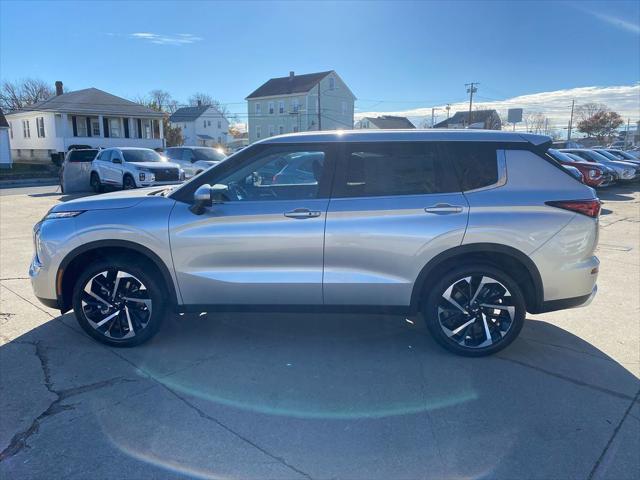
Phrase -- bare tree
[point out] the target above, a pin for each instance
(536, 122)
(22, 93)
(588, 110)
(206, 99)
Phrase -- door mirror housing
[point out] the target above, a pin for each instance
(206, 196)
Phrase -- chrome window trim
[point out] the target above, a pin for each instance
(501, 158)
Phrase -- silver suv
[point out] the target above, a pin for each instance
(471, 229)
(132, 167)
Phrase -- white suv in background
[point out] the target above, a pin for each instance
(194, 160)
(129, 168)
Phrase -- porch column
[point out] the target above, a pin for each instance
(161, 126)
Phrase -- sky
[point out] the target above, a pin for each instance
(395, 56)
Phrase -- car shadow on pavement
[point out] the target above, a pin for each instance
(348, 396)
(63, 197)
(619, 192)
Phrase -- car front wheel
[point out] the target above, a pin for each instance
(119, 303)
(128, 183)
(475, 311)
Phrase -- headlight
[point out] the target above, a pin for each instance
(593, 174)
(54, 215)
(181, 174)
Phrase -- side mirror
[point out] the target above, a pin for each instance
(206, 195)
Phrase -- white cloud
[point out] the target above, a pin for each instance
(556, 105)
(612, 20)
(177, 39)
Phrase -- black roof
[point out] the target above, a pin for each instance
(391, 122)
(463, 117)
(288, 85)
(188, 114)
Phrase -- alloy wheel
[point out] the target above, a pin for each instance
(476, 311)
(116, 304)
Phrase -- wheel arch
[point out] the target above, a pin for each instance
(512, 261)
(73, 263)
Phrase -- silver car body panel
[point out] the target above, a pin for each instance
(249, 252)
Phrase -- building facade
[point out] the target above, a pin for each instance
(202, 126)
(300, 103)
(89, 117)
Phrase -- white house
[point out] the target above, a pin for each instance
(5, 148)
(384, 122)
(202, 126)
(298, 103)
(84, 117)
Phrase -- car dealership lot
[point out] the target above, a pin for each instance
(287, 396)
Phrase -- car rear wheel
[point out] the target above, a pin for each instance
(119, 303)
(475, 311)
(128, 183)
(96, 186)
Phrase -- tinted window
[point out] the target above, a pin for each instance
(208, 154)
(82, 155)
(476, 164)
(401, 168)
(141, 155)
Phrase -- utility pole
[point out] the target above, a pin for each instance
(573, 102)
(447, 108)
(433, 116)
(471, 89)
(319, 115)
(626, 135)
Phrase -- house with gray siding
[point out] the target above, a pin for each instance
(300, 103)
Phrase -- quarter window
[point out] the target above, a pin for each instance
(389, 169)
(475, 164)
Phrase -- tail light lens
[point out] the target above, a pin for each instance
(590, 208)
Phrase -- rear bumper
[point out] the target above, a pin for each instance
(565, 303)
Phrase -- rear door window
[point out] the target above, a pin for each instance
(392, 169)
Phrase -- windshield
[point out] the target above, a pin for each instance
(137, 156)
(609, 155)
(208, 154)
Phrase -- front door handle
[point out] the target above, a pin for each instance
(443, 209)
(302, 213)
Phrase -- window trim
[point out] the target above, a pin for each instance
(39, 124)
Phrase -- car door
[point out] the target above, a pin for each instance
(101, 164)
(115, 168)
(394, 207)
(264, 244)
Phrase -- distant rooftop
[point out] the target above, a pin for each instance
(390, 122)
(188, 114)
(288, 85)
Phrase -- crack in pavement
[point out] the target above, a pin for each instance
(613, 436)
(19, 440)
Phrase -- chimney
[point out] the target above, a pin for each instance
(59, 88)
(291, 75)
(199, 103)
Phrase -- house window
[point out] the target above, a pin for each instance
(10, 129)
(219, 140)
(271, 108)
(114, 128)
(219, 124)
(208, 123)
(26, 131)
(280, 106)
(146, 128)
(296, 105)
(280, 130)
(258, 108)
(332, 83)
(95, 127)
(40, 127)
(271, 131)
(344, 108)
(204, 124)
(81, 127)
(295, 129)
(258, 132)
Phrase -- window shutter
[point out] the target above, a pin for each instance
(88, 121)
(126, 127)
(139, 128)
(74, 123)
(105, 127)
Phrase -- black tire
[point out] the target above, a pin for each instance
(128, 183)
(96, 186)
(144, 318)
(502, 324)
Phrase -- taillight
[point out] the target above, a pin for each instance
(590, 208)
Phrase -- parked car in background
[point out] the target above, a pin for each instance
(623, 156)
(194, 160)
(613, 158)
(592, 174)
(131, 167)
(626, 171)
(609, 175)
(577, 174)
(75, 170)
(471, 229)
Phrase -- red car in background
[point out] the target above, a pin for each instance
(593, 174)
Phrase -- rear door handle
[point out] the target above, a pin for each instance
(302, 213)
(443, 209)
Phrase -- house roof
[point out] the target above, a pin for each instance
(463, 117)
(288, 85)
(3, 121)
(91, 101)
(390, 122)
(188, 114)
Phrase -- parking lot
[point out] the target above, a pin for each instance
(289, 396)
